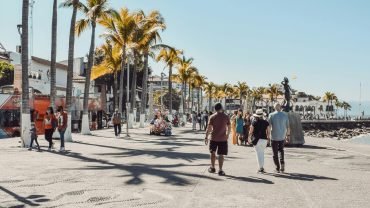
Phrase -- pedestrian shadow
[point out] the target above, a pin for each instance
(301, 177)
(32, 200)
(137, 170)
(249, 179)
(307, 147)
(167, 153)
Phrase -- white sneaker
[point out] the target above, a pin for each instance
(62, 149)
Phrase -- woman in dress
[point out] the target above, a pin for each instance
(233, 128)
(261, 137)
(239, 125)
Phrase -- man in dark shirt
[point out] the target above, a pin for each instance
(219, 128)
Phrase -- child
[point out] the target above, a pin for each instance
(33, 136)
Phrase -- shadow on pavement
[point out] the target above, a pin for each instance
(308, 147)
(301, 177)
(32, 200)
(136, 171)
(249, 179)
(169, 153)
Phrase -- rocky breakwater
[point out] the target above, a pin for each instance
(336, 129)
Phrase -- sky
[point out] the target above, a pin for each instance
(320, 45)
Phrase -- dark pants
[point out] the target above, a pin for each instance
(49, 136)
(278, 147)
(117, 129)
(61, 132)
(206, 122)
(32, 139)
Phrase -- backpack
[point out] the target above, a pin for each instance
(116, 118)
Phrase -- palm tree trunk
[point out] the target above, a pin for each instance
(145, 85)
(71, 44)
(188, 106)
(192, 98)
(115, 85)
(120, 102)
(26, 118)
(210, 103)
(198, 97)
(85, 117)
(184, 100)
(170, 89)
(133, 83)
(53, 54)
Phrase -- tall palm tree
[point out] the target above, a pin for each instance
(242, 89)
(257, 96)
(54, 23)
(26, 118)
(338, 105)
(227, 89)
(170, 56)
(273, 92)
(210, 90)
(74, 4)
(329, 97)
(347, 107)
(199, 81)
(94, 10)
(110, 65)
(185, 71)
(154, 22)
(119, 29)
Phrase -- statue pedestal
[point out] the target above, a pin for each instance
(296, 130)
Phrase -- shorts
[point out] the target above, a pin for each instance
(221, 147)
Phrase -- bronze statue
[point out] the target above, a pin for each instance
(287, 94)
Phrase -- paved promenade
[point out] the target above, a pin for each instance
(150, 171)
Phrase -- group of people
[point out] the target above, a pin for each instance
(51, 123)
(240, 125)
(261, 131)
(201, 119)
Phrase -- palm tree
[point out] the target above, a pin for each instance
(54, 23)
(170, 56)
(74, 4)
(199, 81)
(210, 90)
(119, 29)
(228, 90)
(329, 97)
(25, 91)
(257, 96)
(185, 71)
(273, 92)
(338, 105)
(110, 65)
(347, 107)
(242, 90)
(153, 23)
(94, 10)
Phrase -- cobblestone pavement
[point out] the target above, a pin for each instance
(151, 171)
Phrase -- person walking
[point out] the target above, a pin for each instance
(50, 124)
(219, 128)
(116, 120)
(206, 116)
(279, 124)
(62, 120)
(194, 120)
(199, 119)
(233, 128)
(260, 131)
(247, 125)
(239, 125)
(33, 136)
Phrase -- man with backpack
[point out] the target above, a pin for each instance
(116, 120)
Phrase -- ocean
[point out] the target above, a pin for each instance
(363, 139)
